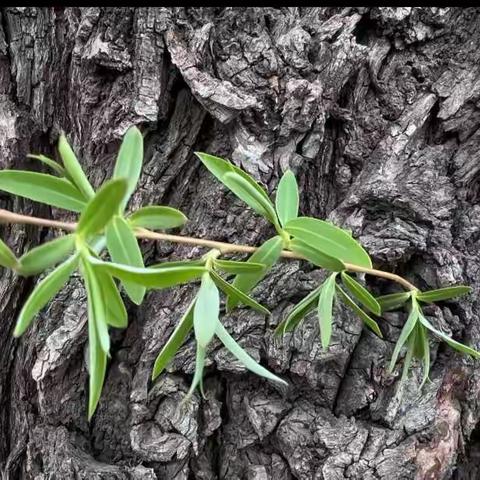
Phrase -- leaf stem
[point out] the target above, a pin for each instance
(10, 217)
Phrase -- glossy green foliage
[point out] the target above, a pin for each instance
(103, 225)
(44, 256)
(443, 294)
(316, 256)
(123, 248)
(157, 217)
(175, 341)
(73, 168)
(43, 188)
(43, 292)
(101, 208)
(325, 309)
(129, 162)
(287, 199)
(267, 255)
(7, 257)
(329, 239)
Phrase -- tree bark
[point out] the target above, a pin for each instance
(376, 111)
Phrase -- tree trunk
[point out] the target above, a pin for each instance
(376, 111)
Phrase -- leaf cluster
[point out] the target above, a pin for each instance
(104, 249)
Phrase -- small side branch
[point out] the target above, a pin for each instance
(225, 248)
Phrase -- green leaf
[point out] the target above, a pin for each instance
(405, 333)
(316, 256)
(123, 248)
(101, 208)
(176, 340)
(198, 375)
(219, 167)
(180, 263)
(422, 350)
(231, 266)
(116, 314)
(267, 255)
(245, 359)
(97, 363)
(246, 192)
(361, 294)
(129, 162)
(44, 256)
(369, 322)
(325, 307)
(300, 310)
(392, 301)
(236, 294)
(450, 341)
(96, 299)
(206, 311)
(157, 218)
(52, 164)
(74, 169)
(7, 257)
(42, 188)
(330, 239)
(286, 200)
(443, 294)
(150, 277)
(43, 292)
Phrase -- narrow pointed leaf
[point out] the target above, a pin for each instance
(422, 350)
(74, 169)
(392, 301)
(330, 239)
(316, 256)
(325, 307)
(405, 333)
(43, 292)
(300, 310)
(44, 256)
(231, 266)
(198, 375)
(95, 297)
(123, 248)
(219, 167)
(157, 218)
(129, 162)
(101, 208)
(236, 294)
(97, 364)
(286, 200)
(176, 340)
(180, 263)
(450, 341)
(150, 277)
(7, 257)
(246, 192)
(361, 294)
(267, 254)
(443, 294)
(116, 313)
(245, 359)
(206, 311)
(369, 322)
(42, 188)
(52, 164)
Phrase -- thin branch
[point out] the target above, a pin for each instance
(9, 217)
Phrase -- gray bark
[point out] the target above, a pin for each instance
(376, 110)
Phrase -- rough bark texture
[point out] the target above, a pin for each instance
(376, 110)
